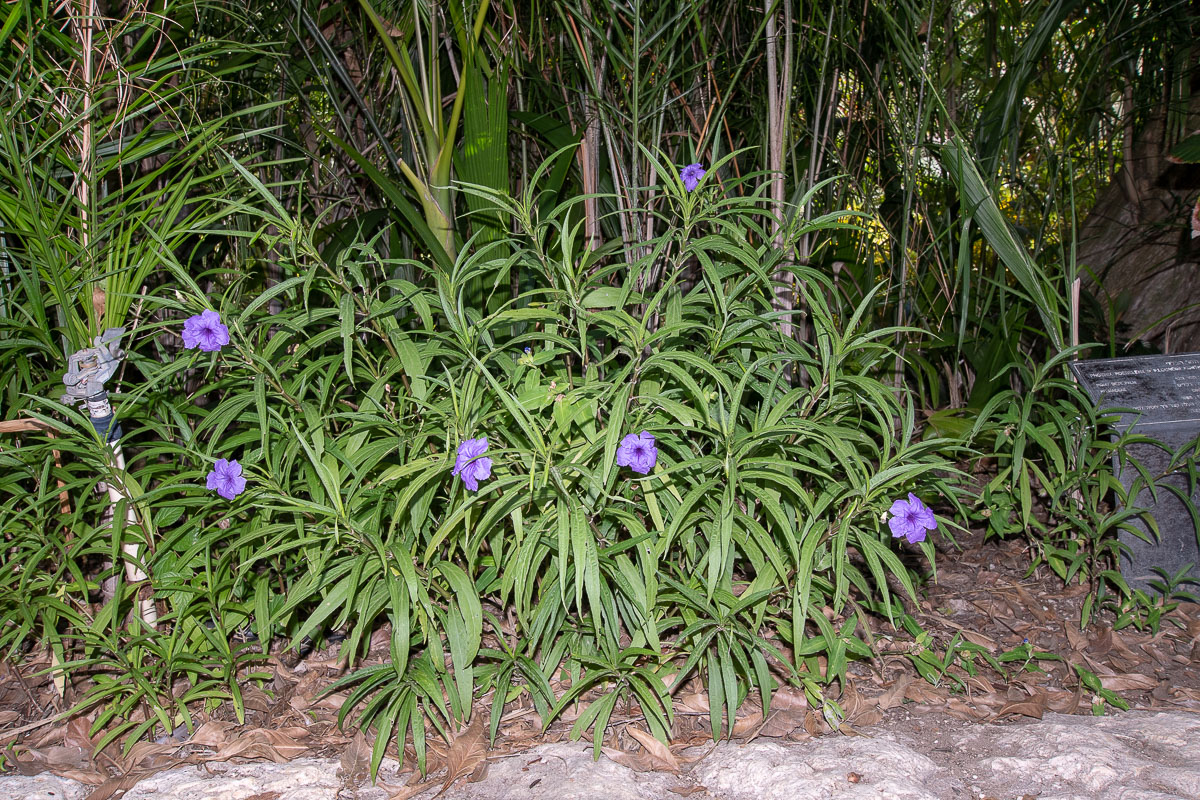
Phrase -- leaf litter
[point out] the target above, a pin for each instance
(983, 596)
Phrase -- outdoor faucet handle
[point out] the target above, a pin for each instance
(90, 368)
(110, 340)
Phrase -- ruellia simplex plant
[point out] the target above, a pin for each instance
(549, 450)
(582, 493)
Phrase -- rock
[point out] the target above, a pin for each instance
(1132, 756)
(562, 772)
(302, 779)
(1103, 756)
(41, 787)
(818, 769)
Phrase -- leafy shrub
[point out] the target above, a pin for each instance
(758, 522)
(1057, 463)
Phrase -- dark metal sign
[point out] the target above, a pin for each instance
(1158, 397)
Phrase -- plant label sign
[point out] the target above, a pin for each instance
(1158, 397)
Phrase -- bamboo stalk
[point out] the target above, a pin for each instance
(779, 88)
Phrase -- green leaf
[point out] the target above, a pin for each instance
(1188, 151)
(346, 305)
(596, 714)
(607, 297)
(614, 432)
(981, 205)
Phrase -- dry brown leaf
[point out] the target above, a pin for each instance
(1034, 707)
(693, 703)
(747, 725)
(213, 733)
(465, 753)
(895, 694)
(356, 760)
(274, 745)
(1127, 682)
(781, 723)
(686, 790)
(789, 698)
(980, 639)
(150, 757)
(660, 755)
(119, 783)
(638, 762)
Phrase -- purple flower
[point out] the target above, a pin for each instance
(638, 452)
(226, 478)
(691, 175)
(472, 465)
(910, 519)
(204, 330)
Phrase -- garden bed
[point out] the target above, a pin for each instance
(984, 595)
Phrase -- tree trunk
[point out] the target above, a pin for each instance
(1136, 244)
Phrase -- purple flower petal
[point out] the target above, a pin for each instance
(900, 527)
(691, 176)
(205, 331)
(471, 464)
(638, 452)
(226, 478)
(922, 514)
(910, 519)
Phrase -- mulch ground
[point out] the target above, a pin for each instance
(987, 608)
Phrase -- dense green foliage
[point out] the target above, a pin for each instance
(427, 223)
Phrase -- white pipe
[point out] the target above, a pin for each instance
(133, 572)
(100, 410)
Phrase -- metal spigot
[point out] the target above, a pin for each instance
(89, 369)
